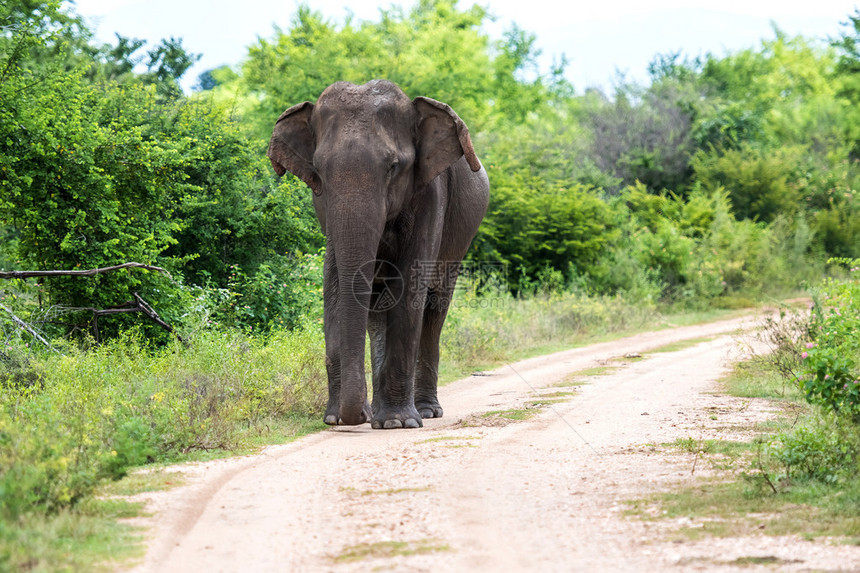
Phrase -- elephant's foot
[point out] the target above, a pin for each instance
(389, 418)
(429, 408)
(332, 418)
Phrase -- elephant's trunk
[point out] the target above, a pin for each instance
(354, 232)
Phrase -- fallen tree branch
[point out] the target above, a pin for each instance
(153, 316)
(136, 305)
(86, 273)
(29, 329)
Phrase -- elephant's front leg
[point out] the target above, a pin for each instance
(331, 293)
(394, 390)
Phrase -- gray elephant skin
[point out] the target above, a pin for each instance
(399, 193)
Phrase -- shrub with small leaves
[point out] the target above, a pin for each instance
(831, 373)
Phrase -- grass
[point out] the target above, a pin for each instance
(518, 414)
(755, 379)
(723, 447)
(570, 381)
(604, 370)
(87, 537)
(739, 508)
(764, 490)
(141, 481)
(559, 394)
(389, 549)
(481, 338)
(752, 561)
(228, 393)
(680, 345)
(447, 439)
(544, 402)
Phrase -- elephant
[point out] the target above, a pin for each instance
(399, 194)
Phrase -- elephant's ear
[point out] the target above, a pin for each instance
(292, 145)
(443, 138)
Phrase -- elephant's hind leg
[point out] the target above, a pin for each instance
(427, 370)
(376, 330)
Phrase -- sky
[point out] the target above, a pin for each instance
(599, 38)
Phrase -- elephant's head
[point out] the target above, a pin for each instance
(365, 152)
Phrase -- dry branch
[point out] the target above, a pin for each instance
(29, 329)
(86, 273)
(137, 305)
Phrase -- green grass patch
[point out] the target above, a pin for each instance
(681, 345)
(758, 379)
(512, 414)
(753, 560)
(740, 508)
(628, 358)
(395, 491)
(156, 479)
(724, 447)
(389, 549)
(559, 394)
(448, 439)
(544, 402)
(280, 430)
(570, 381)
(88, 537)
(604, 370)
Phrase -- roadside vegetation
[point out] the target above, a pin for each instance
(801, 473)
(723, 182)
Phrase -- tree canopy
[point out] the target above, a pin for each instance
(722, 173)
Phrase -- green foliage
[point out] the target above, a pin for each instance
(123, 173)
(826, 451)
(92, 415)
(84, 185)
(283, 293)
(84, 190)
(831, 375)
(758, 182)
(646, 135)
(534, 223)
(848, 78)
(779, 94)
(235, 212)
(434, 49)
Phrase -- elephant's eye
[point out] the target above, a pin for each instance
(395, 167)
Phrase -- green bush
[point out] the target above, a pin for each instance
(824, 451)
(533, 224)
(693, 249)
(831, 373)
(759, 182)
(91, 415)
(283, 293)
(496, 325)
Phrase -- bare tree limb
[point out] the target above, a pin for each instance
(28, 328)
(144, 307)
(136, 305)
(86, 273)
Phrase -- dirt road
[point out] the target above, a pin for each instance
(477, 492)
